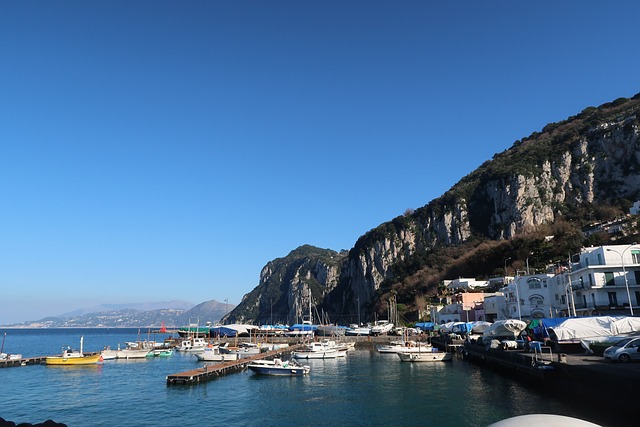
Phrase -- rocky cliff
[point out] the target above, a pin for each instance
(592, 158)
(291, 287)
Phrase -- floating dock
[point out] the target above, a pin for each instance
(212, 371)
(22, 362)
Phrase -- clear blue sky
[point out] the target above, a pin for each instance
(160, 150)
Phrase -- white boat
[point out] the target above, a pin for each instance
(212, 353)
(5, 356)
(425, 356)
(132, 353)
(242, 350)
(192, 344)
(404, 347)
(279, 367)
(316, 350)
(356, 331)
(108, 354)
(383, 327)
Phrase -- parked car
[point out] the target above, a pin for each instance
(625, 350)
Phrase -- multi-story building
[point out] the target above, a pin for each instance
(596, 281)
(605, 280)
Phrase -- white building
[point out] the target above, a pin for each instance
(528, 297)
(606, 279)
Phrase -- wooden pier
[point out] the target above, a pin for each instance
(22, 362)
(212, 371)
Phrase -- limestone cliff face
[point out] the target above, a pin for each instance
(591, 158)
(290, 286)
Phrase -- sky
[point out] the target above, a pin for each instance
(158, 150)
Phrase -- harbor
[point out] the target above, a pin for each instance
(350, 385)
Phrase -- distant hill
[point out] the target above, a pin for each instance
(173, 314)
(146, 306)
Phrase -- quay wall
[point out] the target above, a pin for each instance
(581, 377)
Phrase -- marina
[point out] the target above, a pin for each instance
(479, 378)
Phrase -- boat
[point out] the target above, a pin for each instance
(108, 353)
(356, 331)
(163, 352)
(330, 331)
(425, 356)
(404, 347)
(5, 356)
(213, 353)
(316, 350)
(383, 327)
(132, 353)
(73, 357)
(279, 367)
(193, 344)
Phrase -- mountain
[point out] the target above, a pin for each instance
(173, 314)
(148, 306)
(285, 284)
(554, 182)
(208, 311)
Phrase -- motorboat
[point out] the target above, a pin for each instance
(425, 356)
(279, 367)
(212, 353)
(73, 357)
(192, 344)
(404, 347)
(243, 350)
(356, 331)
(108, 353)
(316, 350)
(383, 327)
(132, 353)
(5, 356)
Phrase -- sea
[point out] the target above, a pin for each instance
(364, 389)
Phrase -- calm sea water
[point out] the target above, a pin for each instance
(364, 389)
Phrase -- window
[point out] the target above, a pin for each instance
(536, 301)
(613, 299)
(608, 278)
(535, 283)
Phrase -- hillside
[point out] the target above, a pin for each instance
(553, 182)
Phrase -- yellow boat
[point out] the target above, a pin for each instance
(73, 357)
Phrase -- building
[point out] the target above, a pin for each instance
(605, 280)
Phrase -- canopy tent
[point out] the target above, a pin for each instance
(235, 330)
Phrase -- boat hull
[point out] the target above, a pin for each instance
(425, 357)
(291, 372)
(279, 367)
(82, 360)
